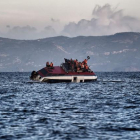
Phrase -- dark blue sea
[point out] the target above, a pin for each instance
(108, 109)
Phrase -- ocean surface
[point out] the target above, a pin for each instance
(108, 109)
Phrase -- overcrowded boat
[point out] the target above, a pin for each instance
(69, 71)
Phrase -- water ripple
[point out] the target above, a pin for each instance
(106, 109)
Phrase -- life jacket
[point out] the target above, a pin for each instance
(51, 64)
(85, 61)
(86, 67)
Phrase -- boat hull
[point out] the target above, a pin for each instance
(57, 74)
(73, 78)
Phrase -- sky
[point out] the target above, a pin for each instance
(32, 19)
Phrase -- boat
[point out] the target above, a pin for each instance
(69, 71)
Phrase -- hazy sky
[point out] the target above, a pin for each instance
(56, 17)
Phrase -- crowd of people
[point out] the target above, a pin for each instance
(74, 65)
(49, 65)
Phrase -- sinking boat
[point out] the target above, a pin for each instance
(69, 71)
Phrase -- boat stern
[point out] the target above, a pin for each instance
(35, 76)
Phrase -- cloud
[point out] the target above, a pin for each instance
(105, 21)
(48, 32)
(7, 26)
(25, 32)
(28, 32)
(54, 20)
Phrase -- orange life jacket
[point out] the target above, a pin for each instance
(51, 64)
(85, 61)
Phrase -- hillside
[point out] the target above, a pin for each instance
(119, 52)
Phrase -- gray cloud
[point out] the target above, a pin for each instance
(47, 32)
(54, 20)
(105, 21)
(28, 32)
(25, 32)
(7, 26)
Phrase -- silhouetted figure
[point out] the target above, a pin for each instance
(47, 64)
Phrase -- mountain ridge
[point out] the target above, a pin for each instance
(118, 52)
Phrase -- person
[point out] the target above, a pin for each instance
(86, 67)
(47, 64)
(79, 65)
(69, 65)
(72, 67)
(76, 63)
(82, 65)
(78, 69)
(85, 61)
(51, 64)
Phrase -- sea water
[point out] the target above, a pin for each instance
(106, 109)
